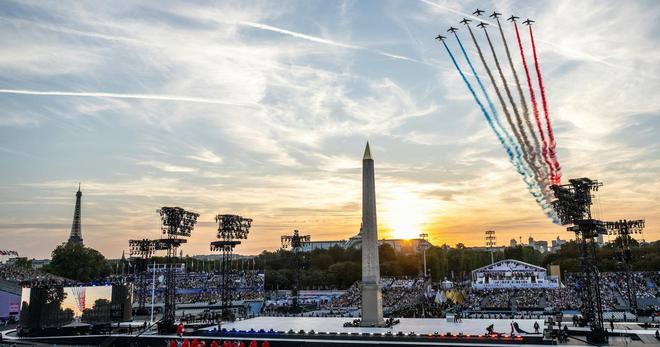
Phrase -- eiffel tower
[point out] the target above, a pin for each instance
(76, 230)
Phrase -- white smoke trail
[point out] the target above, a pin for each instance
(325, 41)
(129, 96)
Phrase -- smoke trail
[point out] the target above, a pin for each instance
(497, 91)
(551, 137)
(535, 149)
(492, 125)
(517, 128)
(519, 166)
(535, 108)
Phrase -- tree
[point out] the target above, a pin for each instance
(78, 263)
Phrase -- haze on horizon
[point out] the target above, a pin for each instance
(263, 109)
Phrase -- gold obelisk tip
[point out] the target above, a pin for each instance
(367, 153)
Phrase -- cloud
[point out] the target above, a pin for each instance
(167, 167)
(126, 96)
(324, 41)
(207, 156)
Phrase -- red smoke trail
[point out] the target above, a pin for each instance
(556, 178)
(535, 107)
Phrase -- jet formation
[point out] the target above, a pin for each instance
(482, 25)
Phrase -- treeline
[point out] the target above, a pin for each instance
(643, 257)
(338, 268)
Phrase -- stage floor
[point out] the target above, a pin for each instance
(407, 325)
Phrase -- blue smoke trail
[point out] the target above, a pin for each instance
(522, 170)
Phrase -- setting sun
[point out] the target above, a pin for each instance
(406, 213)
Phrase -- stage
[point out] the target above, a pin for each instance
(422, 326)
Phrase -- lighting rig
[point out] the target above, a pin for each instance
(296, 242)
(623, 229)
(231, 229)
(573, 206)
(490, 243)
(141, 251)
(175, 223)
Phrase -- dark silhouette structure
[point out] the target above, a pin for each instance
(623, 229)
(140, 252)
(231, 229)
(76, 229)
(176, 223)
(296, 242)
(573, 206)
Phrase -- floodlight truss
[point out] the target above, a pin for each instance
(144, 248)
(573, 206)
(231, 229)
(295, 241)
(423, 244)
(141, 251)
(573, 200)
(490, 238)
(623, 229)
(177, 221)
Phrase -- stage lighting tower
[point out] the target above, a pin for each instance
(296, 242)
(423, 246)
(573, 206)
(231, 229)
(141, 251)
(490, 243)
(175, 223)
(623, 230)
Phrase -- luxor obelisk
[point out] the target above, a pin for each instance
(372, 300)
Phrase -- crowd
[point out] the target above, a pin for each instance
(201, 286)
(398, 293)
(642, 284)
(31, 277)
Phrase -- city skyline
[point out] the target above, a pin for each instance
(263, 111)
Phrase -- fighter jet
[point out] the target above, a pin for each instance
(528, 21)
(495, 15)
(513, 18)
(478, 12)
(452, 30)
(482, 25)
(440, 38)
(465, 21)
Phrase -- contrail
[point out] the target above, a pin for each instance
(517, 128)
(520, 168)
(325, 41)
(551, 137)
(128, 96)
(492, 125)
(497, 91)
(535, 107)
(534, 149)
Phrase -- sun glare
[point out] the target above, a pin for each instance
(405, 214)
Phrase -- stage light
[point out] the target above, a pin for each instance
(231, 229)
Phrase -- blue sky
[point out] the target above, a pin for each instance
(263, 109)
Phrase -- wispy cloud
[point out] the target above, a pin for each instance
(167, 167)
(206, 155)
(127, 96)
(325, 41)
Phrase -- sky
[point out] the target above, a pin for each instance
(263, 109)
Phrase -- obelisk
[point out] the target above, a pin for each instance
(372, 300)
